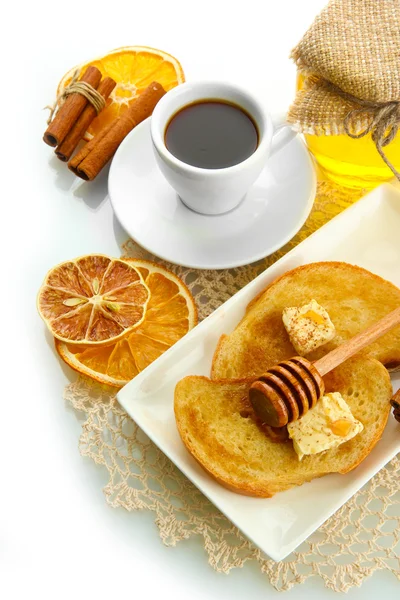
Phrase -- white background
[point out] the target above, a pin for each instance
(58, 538)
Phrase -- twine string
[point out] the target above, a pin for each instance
(383, 123)
(77, 87)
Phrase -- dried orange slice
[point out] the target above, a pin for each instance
(133, 68)
(171, 312)
(93, 299)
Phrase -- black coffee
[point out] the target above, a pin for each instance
(211, 134)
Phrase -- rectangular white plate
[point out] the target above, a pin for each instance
(366, 234)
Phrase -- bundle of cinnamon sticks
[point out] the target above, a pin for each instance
(89, 161)
(78, 111)
(76, 114)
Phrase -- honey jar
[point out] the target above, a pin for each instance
(347, 102)
(351, 163)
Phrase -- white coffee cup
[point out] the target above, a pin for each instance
(214, 191)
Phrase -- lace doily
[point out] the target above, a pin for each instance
(362, 537)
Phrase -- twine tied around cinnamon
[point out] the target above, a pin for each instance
(77, 87)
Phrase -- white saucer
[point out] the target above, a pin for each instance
(150, 211)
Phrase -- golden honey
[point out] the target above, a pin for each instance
(352, 163)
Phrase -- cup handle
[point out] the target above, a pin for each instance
(283, 134)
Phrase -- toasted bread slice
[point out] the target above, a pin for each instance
(217, 425)
(353, 297)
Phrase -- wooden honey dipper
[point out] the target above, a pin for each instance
(288, 390)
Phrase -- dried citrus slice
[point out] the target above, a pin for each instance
(171, 312)
(133, 68)
(93, 299)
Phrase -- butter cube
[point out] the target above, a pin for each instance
(328, 425)
(309, 327)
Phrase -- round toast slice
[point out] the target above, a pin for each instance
(217, 425)
(353, 297)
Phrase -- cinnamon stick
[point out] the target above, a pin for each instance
(87, 148)
(395, 402)
(89, 161)
(68, 113)
(71, 140)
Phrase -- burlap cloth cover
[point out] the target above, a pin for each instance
(363, 536)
